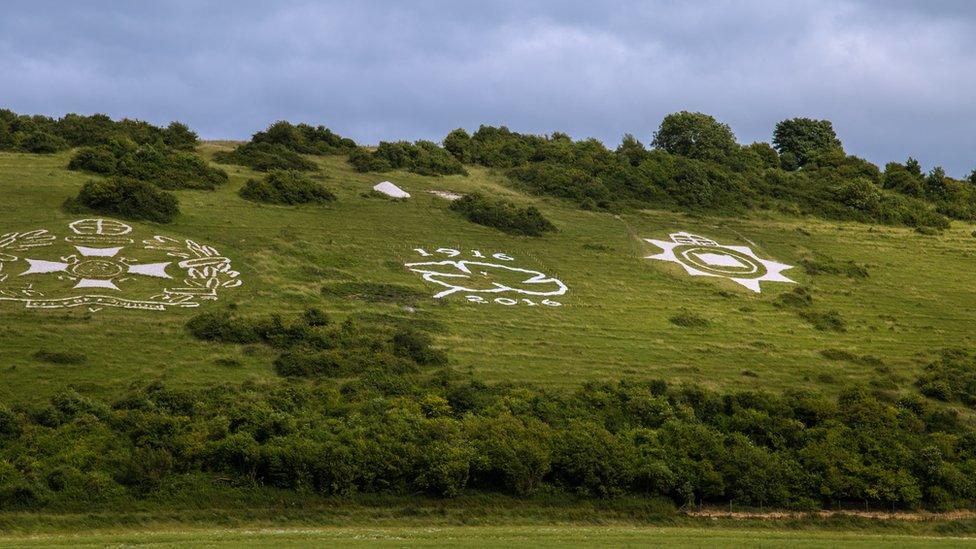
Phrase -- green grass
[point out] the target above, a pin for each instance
(614, 321)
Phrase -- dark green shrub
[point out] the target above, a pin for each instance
(220, 326)
(304, 139)
(265, 157)
(180, 137)
(503, 215)
(163, 167)
(417, 346)
(509, 453)
(825, 265)
(286, 187)
(41, 142)
(60, 357)
(128, 198)
(951, 377)
(10, 424)
(458, 143)
(421, 157)
(829, 321)
(591, 460)
(313, 316)
(99, 159)
(563, 182)
(362, 160)
(688, 319)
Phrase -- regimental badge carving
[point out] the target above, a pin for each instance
(701, 256)
(99, 263)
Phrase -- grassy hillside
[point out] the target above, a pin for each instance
(613, 323)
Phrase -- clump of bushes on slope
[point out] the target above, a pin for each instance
(952, 377)
(265, 157)
(42, 134)
(696, 164)
(281, 145)
(127, 198)
(503, 215)
(310, 346)
(164, 167)
(421, 157)
(444, 434)
(286, 187)
(305, 139)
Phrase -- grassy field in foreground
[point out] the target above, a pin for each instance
(613, 323)
(483, 536)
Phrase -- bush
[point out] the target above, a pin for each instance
(458, 143)
(180, 137)
(503, 215)
(60, 357)
(688, 319)
(265, 157)
(286, 187)
(42, 134)
(829, 321)
(951, 377)
(41, 142)
(417, 347)
(421, 157)
(163, 167)
(101, 160)
(304, 139)
(311, 347)
(364, 161)
(128, 198)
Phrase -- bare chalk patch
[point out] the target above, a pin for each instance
(446, 195)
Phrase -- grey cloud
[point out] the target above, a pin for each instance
(895, 77)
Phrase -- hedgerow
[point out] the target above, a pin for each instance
(286, 187)
(441, 433)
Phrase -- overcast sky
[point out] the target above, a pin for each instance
(897, 78)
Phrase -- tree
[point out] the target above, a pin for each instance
(766, 153)
(972, 177)
(179, 136)
(805, 138)
(936, 185)
(631, 150)
(458, 143)
(695, 135)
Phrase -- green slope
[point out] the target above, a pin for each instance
(613, 322)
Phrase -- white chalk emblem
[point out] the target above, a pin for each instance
(480, 276)
(101, 256)
(703, 257)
